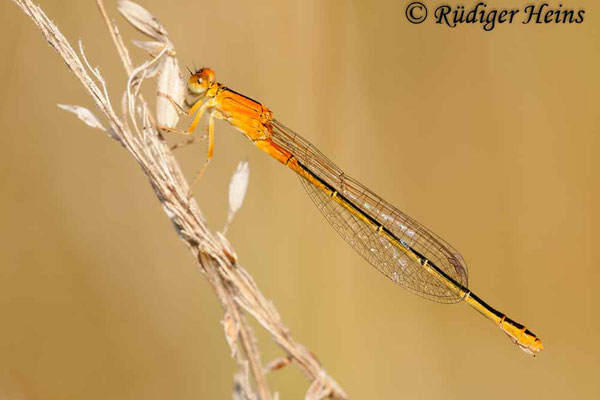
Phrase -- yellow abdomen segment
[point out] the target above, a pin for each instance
(523, 337)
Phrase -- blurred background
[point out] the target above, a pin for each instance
(488, 138)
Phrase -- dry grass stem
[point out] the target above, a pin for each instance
(135, 127)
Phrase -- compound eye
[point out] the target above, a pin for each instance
(199, 80)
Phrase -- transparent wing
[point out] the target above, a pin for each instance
(370, 244)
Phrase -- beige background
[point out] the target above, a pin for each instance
(489, 138)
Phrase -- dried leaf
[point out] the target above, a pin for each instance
(141, 19)
(170, 83)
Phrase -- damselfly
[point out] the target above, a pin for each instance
(395, 244)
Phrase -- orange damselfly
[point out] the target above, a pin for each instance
(395, 244)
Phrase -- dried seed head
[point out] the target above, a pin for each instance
(170, 83)
(83, 114)
(150, 46)
(141, 19)
(237, 190)
(89, 119)
(238, 186)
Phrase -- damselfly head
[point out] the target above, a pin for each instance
(201, 80)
